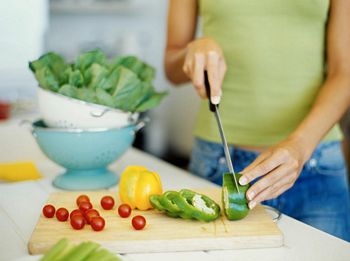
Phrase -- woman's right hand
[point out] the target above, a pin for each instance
(205, 54)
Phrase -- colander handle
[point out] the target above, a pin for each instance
(28, 123)
(98, 114)
(141, 123)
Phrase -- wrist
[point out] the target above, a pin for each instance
(304, 144)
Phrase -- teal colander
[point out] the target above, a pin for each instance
(84, 153)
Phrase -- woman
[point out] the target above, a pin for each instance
(281, 73)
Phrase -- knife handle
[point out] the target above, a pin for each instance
(212, 106)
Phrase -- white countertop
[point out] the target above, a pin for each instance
(21, 203)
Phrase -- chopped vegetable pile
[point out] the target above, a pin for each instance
(124, 82)
(186, 204)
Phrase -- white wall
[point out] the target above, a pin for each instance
(22, 28)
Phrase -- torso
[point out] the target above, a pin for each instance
(275, 52)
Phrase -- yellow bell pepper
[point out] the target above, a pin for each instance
(136, 184)
(19, 171)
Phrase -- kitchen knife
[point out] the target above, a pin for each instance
(215, 108)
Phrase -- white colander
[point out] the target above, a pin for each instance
(61, 111)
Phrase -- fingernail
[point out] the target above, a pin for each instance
(243, 181)
(250, 195)
(215, 99)
(252, 204)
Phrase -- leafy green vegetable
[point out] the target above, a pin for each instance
(52, 62)
(85, 60)
(104, 98)
(124, 83)
(86, 94)
(47, 79)
(143, 71)
(95, 74)
(147, 74)
(68, 90)
(74, 77)
(152, 102)
(127, 87)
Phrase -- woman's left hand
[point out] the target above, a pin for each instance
(279, 166)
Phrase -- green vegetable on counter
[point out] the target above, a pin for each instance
(124, 83)
(63, 250)
(235, 204)
(186, 204)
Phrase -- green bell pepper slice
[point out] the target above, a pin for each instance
(155, 202)
(199, 206)
(186, 204)
(168, 202)
(235, 204)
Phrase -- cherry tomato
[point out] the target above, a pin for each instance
(83, 206)
(107, 202)
(76, 212)
(82, 198)
(90, 213)
(124, 210)
(138, 222)
(49, 211)
(62, 214)
(77, 222)
(97, 223)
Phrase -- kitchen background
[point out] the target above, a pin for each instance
(32, 27)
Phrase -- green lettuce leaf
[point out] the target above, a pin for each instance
(147, 74)
(68, 90)
(52, 61)
(128, 90)
(152, 102)
(94, 75)
(151, 98)
(75, 78)
(85, 60)
(104, 98)
(109, 83)
(144, 71)
(47, 79)
(87, 95)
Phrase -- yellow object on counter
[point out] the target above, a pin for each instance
(19, 171)
(136, 184)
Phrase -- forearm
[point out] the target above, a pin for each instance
(174, 61)
(329, 106)
(280, 165)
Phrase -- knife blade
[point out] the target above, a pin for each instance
(215, 108)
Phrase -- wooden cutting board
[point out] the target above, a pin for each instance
(161, 234)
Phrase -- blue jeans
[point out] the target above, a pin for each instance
(319, 197)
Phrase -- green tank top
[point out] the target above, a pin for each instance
(275, 53)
